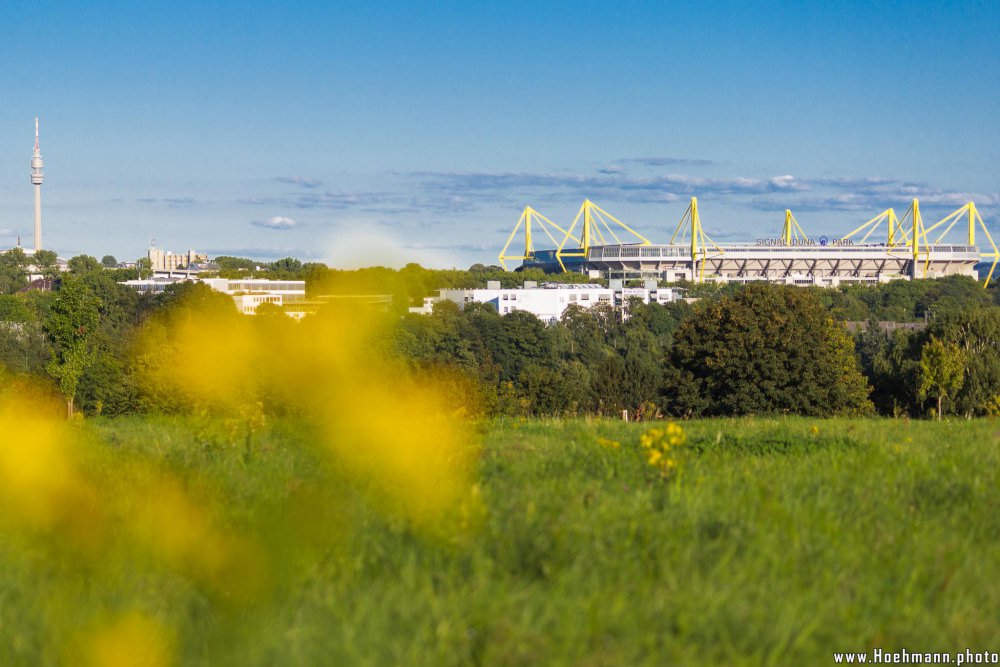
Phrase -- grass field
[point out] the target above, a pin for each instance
(773, 541)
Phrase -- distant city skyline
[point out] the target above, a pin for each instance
(383, 134)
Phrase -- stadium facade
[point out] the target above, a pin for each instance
(884, 248)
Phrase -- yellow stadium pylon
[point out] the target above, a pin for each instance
(972, 213)
(690, 224)
(869, 228)
(911, 225)
(910, 232)
(792, 230)
(596, 221)
(528, 216)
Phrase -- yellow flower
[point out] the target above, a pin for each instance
(658, 443)
(675, 435)
(133, 639)
(608, 444)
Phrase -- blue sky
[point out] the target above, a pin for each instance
(389, 132)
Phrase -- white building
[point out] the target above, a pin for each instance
(154, 285)
(290, 291)
(247, 293)
(247, 303)
(550, 301)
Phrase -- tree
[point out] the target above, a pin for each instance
(765, 349)
(977, 332)
(145, 266)
(585, 338)
(549, 390)
(231, 263)
(942, 367)
(13, 309)
(83, 264)
(68, 369)
(642, 369)
(24, 347)
(608, 381)
(72, 326)
(288, 265)
(267, 310)
(889, 360)
(46, 263)
(525, 341)
(313, 272)
(109, 262)
(12, 271)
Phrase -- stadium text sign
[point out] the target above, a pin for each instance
(821, 241)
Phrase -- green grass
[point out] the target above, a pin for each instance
(780, 542)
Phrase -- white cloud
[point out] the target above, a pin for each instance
(303, 181)
(276, 222)
(787, 182)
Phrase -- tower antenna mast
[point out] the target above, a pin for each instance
(36, 180)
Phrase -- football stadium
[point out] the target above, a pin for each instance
(886, 247)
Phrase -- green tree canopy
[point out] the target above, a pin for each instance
(287, 265)
(45, 263)
(268, 309)
(83, 264)
(977, 332)
(942, 366)
(72, 325)
(765, 349)
(13, 308)
(12, 271)
(145, 267)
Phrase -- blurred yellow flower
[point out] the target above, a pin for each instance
(403, 440)
(131, 640)
(41, 487)
(609, 444)
(660, 445)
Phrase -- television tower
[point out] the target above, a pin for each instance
(36, 180)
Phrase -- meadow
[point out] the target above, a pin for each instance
(766, 541)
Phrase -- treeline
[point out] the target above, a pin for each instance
(896, 301)
(953, 364)
(408, 285)
(78, 336)
(755, 349)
